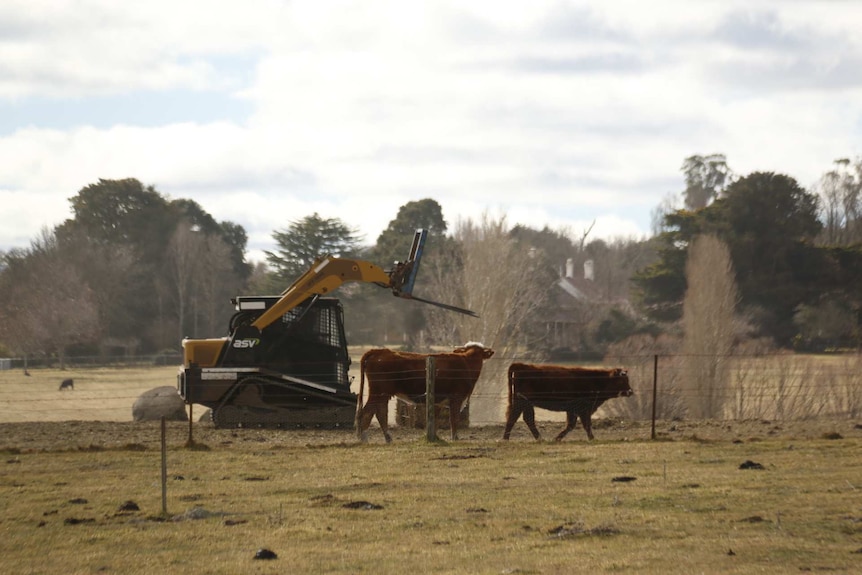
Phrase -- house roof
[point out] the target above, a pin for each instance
(580, 288)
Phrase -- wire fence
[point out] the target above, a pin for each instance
(724, 387)
(777, 386)
(127, 360)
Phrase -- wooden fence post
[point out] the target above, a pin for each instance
(164, 470)
(654, 391)
(191, 440)
(430, 419)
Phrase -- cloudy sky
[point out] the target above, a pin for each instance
(552, 113)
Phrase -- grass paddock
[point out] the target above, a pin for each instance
(80, 492)
(325, 503)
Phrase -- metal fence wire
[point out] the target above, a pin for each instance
(778, 386)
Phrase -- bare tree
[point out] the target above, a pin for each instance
(48, 304)
(840, 192)
(708, 326)
(638, 354)
(113, 274)
(705, 177)
(615, 262)
(669, 204)
(492, 274)
(583, 239)
(199, 281)
(184, 269)
(216, 283)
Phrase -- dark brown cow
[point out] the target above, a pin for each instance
(402, 374)
(579, 391)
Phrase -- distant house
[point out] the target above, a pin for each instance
(582, 288)
(577, 302)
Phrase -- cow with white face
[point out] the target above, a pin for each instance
(402, 374)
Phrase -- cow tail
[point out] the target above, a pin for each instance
(358, 421)
(511, 380)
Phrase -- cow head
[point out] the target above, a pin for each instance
(620, 379)
(485, 352)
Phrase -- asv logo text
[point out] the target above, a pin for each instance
(246, 343)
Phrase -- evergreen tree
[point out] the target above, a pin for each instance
(769, 222)
(307, 239)
(393, 244)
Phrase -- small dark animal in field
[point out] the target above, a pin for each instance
(67, 384)
(27, 373)
(362, 505)
(129, 506)
(265, 554)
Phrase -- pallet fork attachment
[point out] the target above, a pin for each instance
(406, 276)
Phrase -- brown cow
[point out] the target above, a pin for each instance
(579, 391)
(402, 374)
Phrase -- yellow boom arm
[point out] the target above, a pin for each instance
(324, 276)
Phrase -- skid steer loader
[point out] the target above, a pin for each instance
(285, 361)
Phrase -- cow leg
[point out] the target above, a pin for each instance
(530, 419)
(455, 404)
(587, 422)
(513, 412)
(383, 419)
(365, 417)
(375, 406)
(571, 421)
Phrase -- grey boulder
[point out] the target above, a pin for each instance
(160, 402)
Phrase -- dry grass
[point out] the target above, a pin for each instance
(476, 506)
(796, 386)
(100, 394)
(326, 504)
(782, 386)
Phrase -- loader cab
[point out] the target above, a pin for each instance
(307, 342)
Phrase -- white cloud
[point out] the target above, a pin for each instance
(559, 114)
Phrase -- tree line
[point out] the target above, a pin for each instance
(133, 271)
(796, 256)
